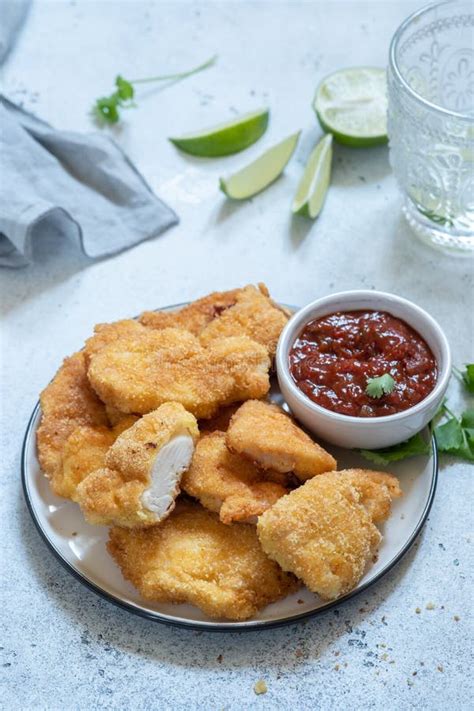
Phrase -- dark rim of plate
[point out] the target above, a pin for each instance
(248, 626)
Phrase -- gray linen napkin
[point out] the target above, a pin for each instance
(81, 185)
(12, 16)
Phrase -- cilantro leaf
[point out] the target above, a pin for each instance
(410, 448)
(467, 418)
(456, 436)
(383, 385)
(107, 108)
(449, 435)
(125, 89)
(467, 376)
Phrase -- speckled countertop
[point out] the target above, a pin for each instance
(61, 646)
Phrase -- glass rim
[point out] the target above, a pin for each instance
(394, 65)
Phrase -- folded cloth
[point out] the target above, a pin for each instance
(12, 16)
(80, 185)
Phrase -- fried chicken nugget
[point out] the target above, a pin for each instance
(66, 403)
(376, 489)
(324, 531)
(254, 315)
(321, 533)
(194, 317)
(228, 484)
(85, 451)
(266, 435)
(106, 333)
(192, 557)
(137, 374)
(139, 483)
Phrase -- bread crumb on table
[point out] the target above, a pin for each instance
(260, 687)
(418, 610)
(430, 606)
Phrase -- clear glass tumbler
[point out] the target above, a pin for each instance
(431, 123)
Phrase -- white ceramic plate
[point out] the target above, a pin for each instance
(81, 547)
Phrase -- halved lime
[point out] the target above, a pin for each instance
(225, 138)
(258, 175)
(352, 105)
(311, 192)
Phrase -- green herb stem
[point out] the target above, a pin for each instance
(450, 412)
(180, 75)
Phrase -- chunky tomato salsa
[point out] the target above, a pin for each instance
(334, 358)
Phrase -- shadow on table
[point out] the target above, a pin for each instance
(106, 629)
(356, 166)
(55, 259)
(299, 228)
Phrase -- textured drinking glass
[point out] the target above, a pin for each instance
(431, 123)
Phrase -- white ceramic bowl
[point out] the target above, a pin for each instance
(364, 432)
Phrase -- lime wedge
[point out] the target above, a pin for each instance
(225, 138)
(352, 105)
(311, 192)
(258, 175)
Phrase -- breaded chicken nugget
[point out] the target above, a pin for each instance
(85, 451)
(376, 489)
(322, 533)
(106, 333)
(254, 315)
(194, 317)
(137, 374)
(143, 468)
(228, 484)
(192, 557)
(66, 403)
(266, 435)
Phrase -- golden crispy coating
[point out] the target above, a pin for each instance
(265, 434)
(85, 451)
(140, 480)
(321, 533)
(66, 403)
(228, 484)
(192, 557)
(137, 374)
(106, 333)
(376, 489)
(254, 315)
(194, 317)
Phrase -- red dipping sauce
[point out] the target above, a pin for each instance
(334, 356)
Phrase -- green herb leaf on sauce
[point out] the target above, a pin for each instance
(383, 385)
(410, 448)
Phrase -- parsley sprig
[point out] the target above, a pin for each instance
(454, 435)
(377, 387)
(106, 109)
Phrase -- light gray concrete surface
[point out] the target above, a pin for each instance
(62, 647)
